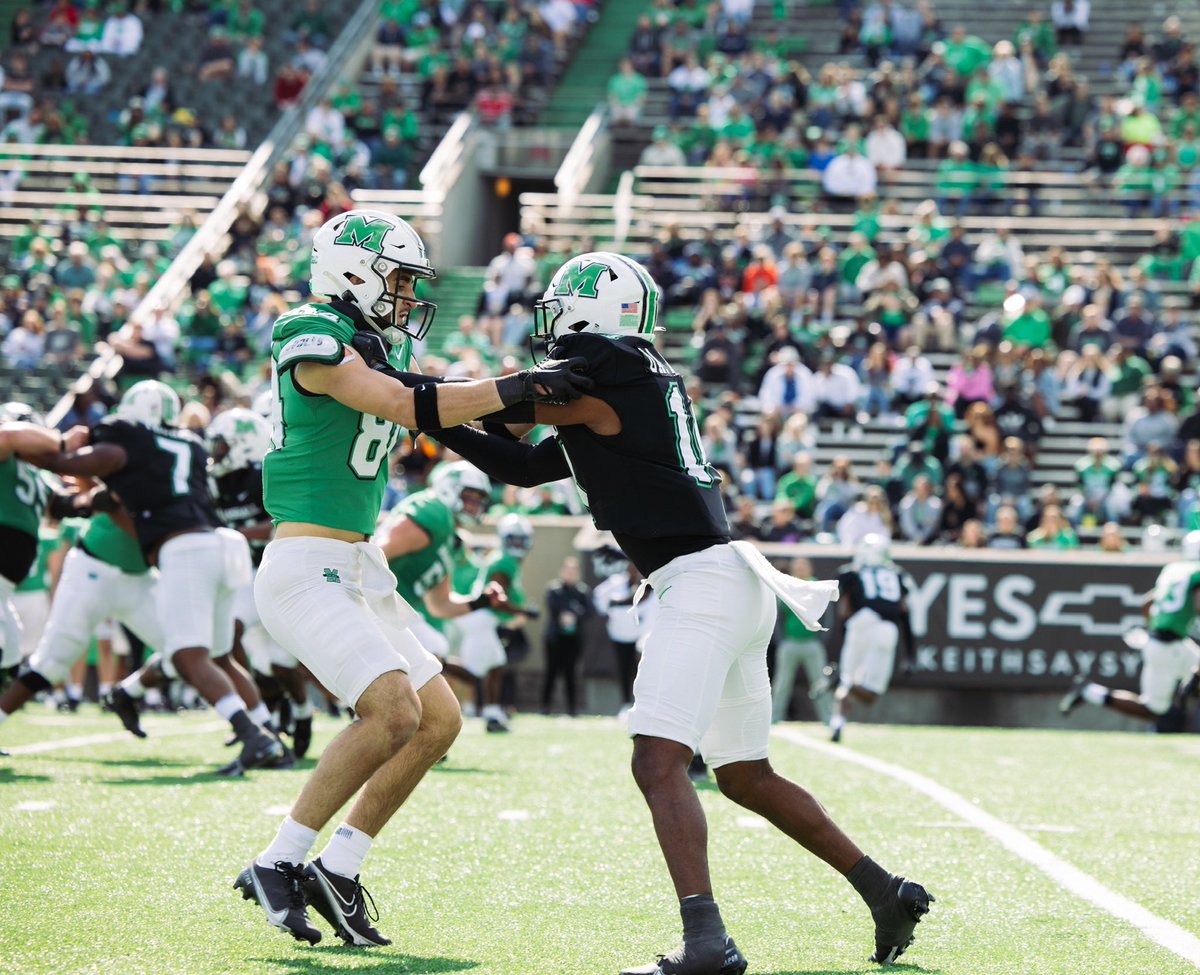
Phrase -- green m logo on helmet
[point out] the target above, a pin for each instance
(365, 232)
(581, 279)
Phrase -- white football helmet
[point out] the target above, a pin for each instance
(450, 481)
(872, 549)
(15, 412)
(150, 403)
(237, 438)
(1190, 548)
(515, 534)
(598, 292)
(264, 403)
(370, 244)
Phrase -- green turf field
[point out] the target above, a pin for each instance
(532, 853)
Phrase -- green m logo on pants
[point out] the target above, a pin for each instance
(331, 575)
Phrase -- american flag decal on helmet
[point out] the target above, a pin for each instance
(629, 307)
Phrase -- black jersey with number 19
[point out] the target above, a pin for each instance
(164, 483)
(650, 484)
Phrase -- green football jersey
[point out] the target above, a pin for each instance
(328, 463)
(1173, 608)
(501, 564)
(38, 579)
(105, 540)
(23, 495)
(418, 572)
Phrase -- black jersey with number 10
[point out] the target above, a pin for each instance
(651, 480)
(164, 483)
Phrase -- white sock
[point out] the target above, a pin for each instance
(104, 688)
(75, 692)
(291, 844)
(1095, 694)
(260, 714)
(302, 712)
(345, 851)
(837, 721)
(229, 705)
(132, 685)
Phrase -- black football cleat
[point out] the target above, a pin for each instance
(125, 707)
(301, 736)
(704, 958)
(906, 904)
(279, 891)
(1073, 698)
(343, 903)
(260, 749)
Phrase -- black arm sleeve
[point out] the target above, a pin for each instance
(510, 461)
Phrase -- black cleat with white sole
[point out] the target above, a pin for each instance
(714, 957)
(343, 903)
(279, 891)
(907, 902)
(301, 736)
(125, 707)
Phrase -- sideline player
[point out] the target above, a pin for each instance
(237, 442)
(1170, 657)
(324, 592)
(159, 473)
(874, 611)
(635, 453)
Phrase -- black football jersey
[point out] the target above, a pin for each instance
(238, 498)
(881, 588)
(164, 483)
(651, 480)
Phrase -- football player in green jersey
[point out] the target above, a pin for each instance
(498, 636)
(1170, 657)
(419, 541)
(24, 494)
(343, 393)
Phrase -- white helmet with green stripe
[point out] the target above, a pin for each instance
(150, 403)
(598, 292)
(353, 255)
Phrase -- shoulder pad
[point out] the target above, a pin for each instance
(313, 333)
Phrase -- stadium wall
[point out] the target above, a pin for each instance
(999, 635)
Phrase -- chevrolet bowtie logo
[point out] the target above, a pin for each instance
(1058, 610)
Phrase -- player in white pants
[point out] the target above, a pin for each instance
(875, 611)
(89, 592)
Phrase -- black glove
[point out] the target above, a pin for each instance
(372, 347)
(562, 380)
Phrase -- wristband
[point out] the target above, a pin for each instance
(425, 407)
(482, 601)
(511, 389)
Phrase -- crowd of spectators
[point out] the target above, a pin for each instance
(989, 114)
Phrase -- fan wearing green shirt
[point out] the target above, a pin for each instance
(626, 94)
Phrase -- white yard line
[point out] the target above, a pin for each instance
(1172, 937)
(109, 737)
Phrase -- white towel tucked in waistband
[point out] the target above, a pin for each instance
(807, 600)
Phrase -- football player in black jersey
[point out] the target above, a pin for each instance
(159, 473)
(635, 452)
(238, 440)
(874, 612)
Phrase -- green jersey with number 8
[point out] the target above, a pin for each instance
(328, 463)
(1173, 606)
